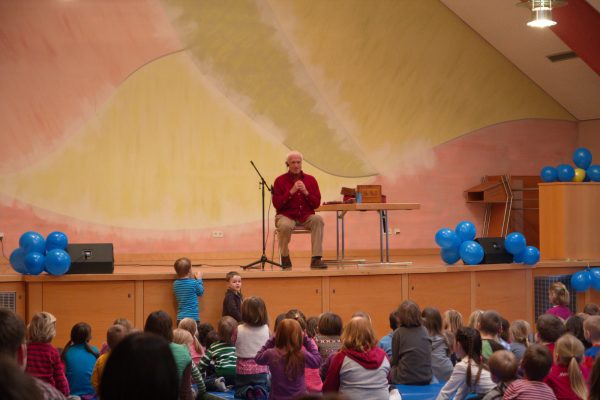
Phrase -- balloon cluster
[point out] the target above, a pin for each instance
(459, 244)
(516, 244)
(584, 171)
(36, 254)
(583, 280)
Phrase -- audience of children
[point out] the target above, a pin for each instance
(251, 380)
(360, 369)
(79, 359)
(385, 343)
(549, 328)
(469, 374)
(187, 288)
(221, 354)
(453, 321)
(114, 335)
(591, 309)
(504, 334)
(574, 326)
(519, 338)
(503, 367)
(591, 329)
(232, 303)
(490, 325)
(311, 374)
(288, 355)
(43, 360)
(474, 319)
(441, 365)
(559, 298)
(329, 330)
(411, 348)
(196, 350)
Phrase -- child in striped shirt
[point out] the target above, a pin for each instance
(222, 354)
(187, 288)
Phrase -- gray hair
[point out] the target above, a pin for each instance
(294, 153)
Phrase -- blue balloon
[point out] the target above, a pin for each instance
(57, 262)
(531, 255)
(17, 260)
(32, 241)
(446, 238)
(56, 240)
(595, 276)
(35, 262)
(515, 243)
(582, 158)
(519, 257)
(581, 281)
(450, 256)
(594, 173)
(465, 230)
(471, 252)
(565, 172)
(549, 174)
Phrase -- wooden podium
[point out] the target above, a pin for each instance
(570, 220)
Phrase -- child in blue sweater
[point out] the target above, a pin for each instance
(187, 288)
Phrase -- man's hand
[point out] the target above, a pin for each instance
(299, 185)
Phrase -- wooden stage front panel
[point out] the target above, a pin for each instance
(133, 292)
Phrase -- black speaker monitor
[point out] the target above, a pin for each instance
(494, 251)
(91, 258)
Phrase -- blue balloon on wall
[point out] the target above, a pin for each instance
(35, 263)
(56, 240)
(594, 173)
(57, 262)
(515, 243)
(446, 238)
(17, 260)
(581, 281)
(471, 252)
(582, 158)
(531, 255)
(565, 172)
(549, 174)
(450, 256)
(465, 230)
(32, 241)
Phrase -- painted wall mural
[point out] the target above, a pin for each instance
(134, 122)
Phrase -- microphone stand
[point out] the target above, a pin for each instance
(263, 258)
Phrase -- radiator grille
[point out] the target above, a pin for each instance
(8, 300)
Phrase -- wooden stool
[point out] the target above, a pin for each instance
(298, 229)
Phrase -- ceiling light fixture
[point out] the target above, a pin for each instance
(541, 11)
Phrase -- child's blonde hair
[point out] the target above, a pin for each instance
(182, 267)
(569, 352)
(358, 335)
(591, 325)
(190, 325)
(519, 332)
(42, 328)
(475, 318)
(559, 295)
(181, 336)
(453, 321)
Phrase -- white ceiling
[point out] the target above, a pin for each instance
(572, 83)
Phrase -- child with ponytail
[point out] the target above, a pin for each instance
(469, 374)
(568, 377)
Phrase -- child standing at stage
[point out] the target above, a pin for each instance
(43, 360)
(559, 298)
(251, 380)
(567, 378)
(232, 303)
(187, 288)
(288, 354)
(80, 358)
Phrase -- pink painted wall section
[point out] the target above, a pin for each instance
(518, 147)
(60, 61)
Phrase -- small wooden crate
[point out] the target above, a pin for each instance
(370, 193)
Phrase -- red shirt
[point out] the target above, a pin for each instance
(559, 382)
(44, 363)
(297, 206)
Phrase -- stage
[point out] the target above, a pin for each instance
(143, 283)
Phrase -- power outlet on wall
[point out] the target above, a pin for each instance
(217, 234)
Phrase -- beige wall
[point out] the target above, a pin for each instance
(589, 137)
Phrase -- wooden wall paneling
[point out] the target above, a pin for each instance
(378, 296)
(211, 304)
(20, 296)
(158, 295)
(35, 296)
(503, 291)
(283, 294)
(443, 291)
(97, 303)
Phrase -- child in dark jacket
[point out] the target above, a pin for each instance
(232, 303)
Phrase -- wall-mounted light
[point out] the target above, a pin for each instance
(541, 11)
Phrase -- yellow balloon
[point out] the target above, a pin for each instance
(579, 175)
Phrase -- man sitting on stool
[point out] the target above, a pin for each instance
(296, 195)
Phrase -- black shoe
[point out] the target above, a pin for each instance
(286, 262)
(317, 263)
